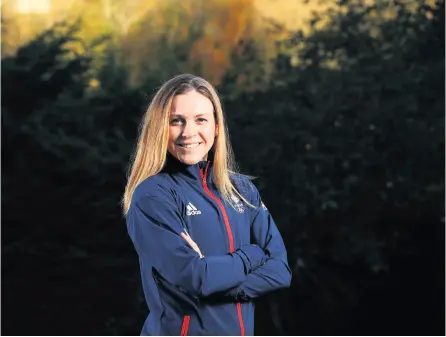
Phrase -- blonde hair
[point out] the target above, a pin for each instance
(151, 149)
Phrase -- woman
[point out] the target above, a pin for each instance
(207, 245)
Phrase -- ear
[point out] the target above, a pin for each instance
(216, 130)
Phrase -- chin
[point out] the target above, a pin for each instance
(190, 160)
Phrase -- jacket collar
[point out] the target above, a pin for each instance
(192, 173)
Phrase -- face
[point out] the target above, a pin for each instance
(192, 127)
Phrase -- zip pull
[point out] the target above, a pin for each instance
(202, 176)
(204, 173)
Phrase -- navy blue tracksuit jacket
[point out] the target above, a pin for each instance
(244, 254)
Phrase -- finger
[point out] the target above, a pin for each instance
(192, 243)
(199, 252)
(184, 235)
(188, 239)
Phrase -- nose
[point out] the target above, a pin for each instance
(189, 130)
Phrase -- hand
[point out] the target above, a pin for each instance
(191, 243)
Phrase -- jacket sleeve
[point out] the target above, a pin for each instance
(154, 225)
(275, 272)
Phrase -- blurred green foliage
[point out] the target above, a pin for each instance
(347, 139)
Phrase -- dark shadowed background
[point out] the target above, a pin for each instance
(336, 106)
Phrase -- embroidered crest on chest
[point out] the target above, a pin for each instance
(238, 204)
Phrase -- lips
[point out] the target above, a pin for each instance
(189, 146)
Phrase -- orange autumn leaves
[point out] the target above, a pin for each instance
(161, 38)
(195, 36)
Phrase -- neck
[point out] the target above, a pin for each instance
(191, 173)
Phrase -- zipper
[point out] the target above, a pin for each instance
(185, 326)
(203, 176)
(240, 318)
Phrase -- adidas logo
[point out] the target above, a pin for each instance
(192, 210)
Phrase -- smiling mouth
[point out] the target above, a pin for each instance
(189, 146)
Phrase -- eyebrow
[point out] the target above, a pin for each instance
(198, 115)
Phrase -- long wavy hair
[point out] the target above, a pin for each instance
(151, 150)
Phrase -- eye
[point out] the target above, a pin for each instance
(202, 120)
(176, 121)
